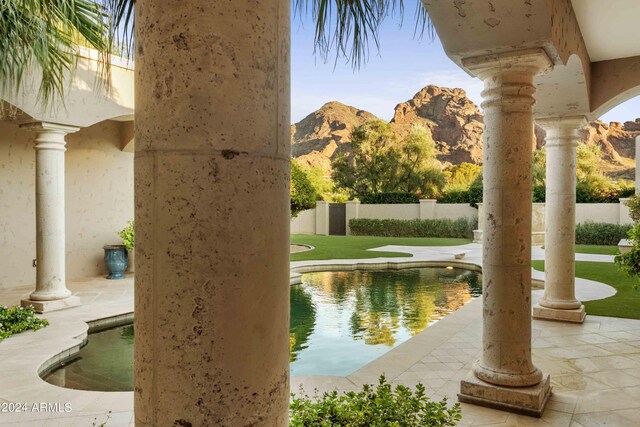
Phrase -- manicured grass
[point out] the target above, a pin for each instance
(596, 249)
(340, 247)
(625, 303)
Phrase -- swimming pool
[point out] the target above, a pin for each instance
(340, 321)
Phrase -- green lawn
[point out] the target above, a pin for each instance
(626, 303)
(337, 247)
(596, 249)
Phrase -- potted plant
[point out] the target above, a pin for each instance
(115, 260)
(128, 240)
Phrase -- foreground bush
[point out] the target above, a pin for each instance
(378, 407)
(461, 227)
(630, 262)
(17, 319)
(389, 198)
(600, 233)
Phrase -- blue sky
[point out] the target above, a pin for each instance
(402, 67)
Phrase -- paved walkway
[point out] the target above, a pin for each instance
(595, 366)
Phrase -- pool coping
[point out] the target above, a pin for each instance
(26, 355)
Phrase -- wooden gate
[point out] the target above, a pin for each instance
(337, 219)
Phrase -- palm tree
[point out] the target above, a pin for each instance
(46, 33)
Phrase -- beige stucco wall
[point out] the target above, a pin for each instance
(304, 223)
(598, 212)
(397, 211)
(99, 200)
(455, 210)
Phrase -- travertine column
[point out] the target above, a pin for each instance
(638, 164)
(505, 376)
(559, 301)
(51, 288)
(212, 213)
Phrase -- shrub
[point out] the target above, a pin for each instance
(379, 406)
(539, 194)
(630, 262)
(475, 192)
(600, 233)
(17, 319)
(389, 198)
(302, 192)
(127, 235)
(454, 196)
(634, 208)
(461, 227)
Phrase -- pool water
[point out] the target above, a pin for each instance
(340, 321)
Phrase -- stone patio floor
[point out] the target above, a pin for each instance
(594, 367)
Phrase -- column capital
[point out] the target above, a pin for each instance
(49, 127)
(535, 61)
(568, 122)
(508, 78)
(562, 131)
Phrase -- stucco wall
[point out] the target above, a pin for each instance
(599, 212)
(99, 200)
(455, 210)
(304, 223)
(397, 211)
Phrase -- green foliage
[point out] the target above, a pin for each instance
(461, 227)
(600, 233)
(379, 163)
(454, 196)
(539, 194)
(475, 192)
(127, 235)
(389, 198)
(634, 208)
(462, 175)
(379, 406)
(629, 262)
(18, 319)
(303, 194)
(539, 168)
(45, 35)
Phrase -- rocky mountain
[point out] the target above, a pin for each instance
(454, 120)
(317, 138)
(617, 143)
(456, 124)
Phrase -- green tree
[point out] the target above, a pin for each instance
(379, 163)
(460, 177)
(303, 194)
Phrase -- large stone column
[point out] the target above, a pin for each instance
(51, 288)
(559, 301)
(212, 213)
(504, 377)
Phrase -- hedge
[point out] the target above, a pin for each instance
(600, 233)
(460, 228)
(389, 198)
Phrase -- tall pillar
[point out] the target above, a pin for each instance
(637, 164)
(559, 301)
(212, 213)
(504, 377)
(51, 288)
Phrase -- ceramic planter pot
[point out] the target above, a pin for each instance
(115, 260)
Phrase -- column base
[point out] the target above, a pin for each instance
(545, 313)
(529, 401)
(53, 305)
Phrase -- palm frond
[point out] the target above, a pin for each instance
(43, 35)
(348, 27)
